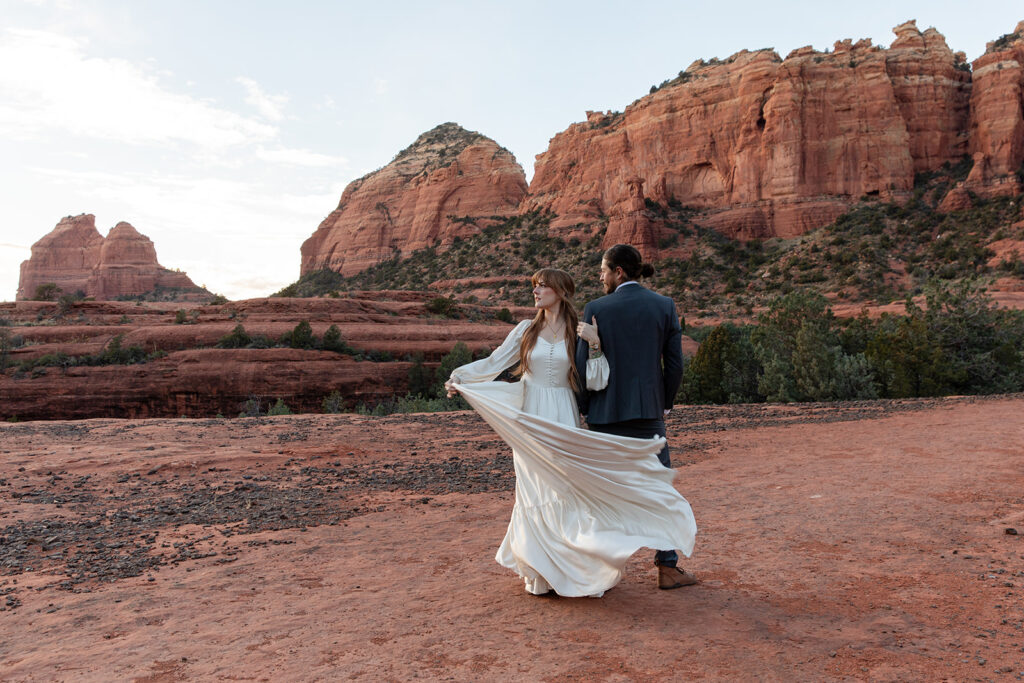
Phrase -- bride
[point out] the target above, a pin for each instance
(585, 501)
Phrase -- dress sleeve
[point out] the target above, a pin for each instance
(502, 358)
(597, 373)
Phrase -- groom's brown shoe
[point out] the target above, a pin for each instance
(674, 577)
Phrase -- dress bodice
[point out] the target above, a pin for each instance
(546, 388)
(549, 365)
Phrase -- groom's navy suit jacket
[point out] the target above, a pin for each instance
(641, 337)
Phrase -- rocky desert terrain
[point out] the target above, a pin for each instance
(196, 378)
(853, 541)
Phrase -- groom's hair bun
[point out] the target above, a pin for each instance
(627, 257)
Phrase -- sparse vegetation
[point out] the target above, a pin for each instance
(47, 292)
(279, 408)
(113, 354)
(237, 339)
(958, 343)
(333, 403)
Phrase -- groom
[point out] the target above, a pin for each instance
(640, 333)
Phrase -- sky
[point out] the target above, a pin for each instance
(226, 131)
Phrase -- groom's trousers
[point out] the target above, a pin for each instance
(644, 429)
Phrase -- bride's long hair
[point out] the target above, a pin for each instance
(565, 288)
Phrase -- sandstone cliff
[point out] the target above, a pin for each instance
(997, 117)
(767, 146)
(65, 257)
(75, 257)
(417, 201)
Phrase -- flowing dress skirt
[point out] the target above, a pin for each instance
(585, 501)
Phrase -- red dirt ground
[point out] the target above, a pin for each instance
(855, 541)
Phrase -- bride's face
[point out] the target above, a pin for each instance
(544, 296)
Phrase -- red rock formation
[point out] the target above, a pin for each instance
(196, 378)
(997, 116)
(631, 223)
(419, 200)
(924, 73)
(75, 257)
(65, 256)
(768, 147)
(128, 266)
(199, 382)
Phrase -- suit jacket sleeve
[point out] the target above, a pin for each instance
(672, 357)
(582, 354)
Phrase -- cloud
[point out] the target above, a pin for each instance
(299, 157)
(269, 106)
(57, 87)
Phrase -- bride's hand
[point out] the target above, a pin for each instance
(588, 332)
(452, 391)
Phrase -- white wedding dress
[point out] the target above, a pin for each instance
(585, 501)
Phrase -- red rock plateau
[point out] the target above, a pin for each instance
(75, 257)
(856, 541)
(197, 379)
(426, 196)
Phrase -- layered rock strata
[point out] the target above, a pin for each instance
(997, 117)
(75, 257)
(768, 147)
(65, 256)
(443, 186)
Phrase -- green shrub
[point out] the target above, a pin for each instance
(459, 355)
(801, 353)
(237, 339)
(724, 370)
(413, 404)
(332, 341)
(253, 407)
(443, 306)
(279, 408)
(504, 315)
(115, 354)
(260, 341)
(333, 403)
(66, 302)
(6, 345)
(907, 359)
(301, 337)
(420, 378)
(47, 292)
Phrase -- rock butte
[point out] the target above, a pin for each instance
(75, 257)
(763, 146)
(420, 199)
